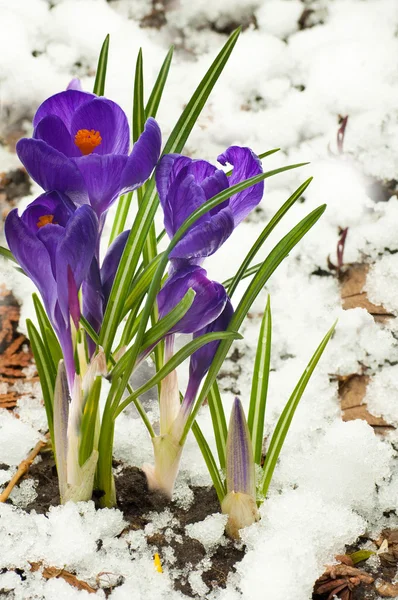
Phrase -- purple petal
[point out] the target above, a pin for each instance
(51, 235)
(52, 130)
(208, 303)
(51, 169)
(51, 203)
(201, 359)
(75, 84)
(204, 239)
(109, 119)
(76, 250)
(111, 263)
(143, 158)
(73, 298)
(183, 198)
(63, 105)
(33, 257)
(239, 452)
(168, 168)
(246, 164)
(102, 178)
(93, 301)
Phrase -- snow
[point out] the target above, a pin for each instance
(283, 87)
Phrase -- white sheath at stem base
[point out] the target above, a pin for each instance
(242, 511)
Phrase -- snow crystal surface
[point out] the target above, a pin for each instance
(290, 79)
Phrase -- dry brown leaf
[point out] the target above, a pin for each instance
(15, 353)
(352, 391)
(53, 572)
(353, 281)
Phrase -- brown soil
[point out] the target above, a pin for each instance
(136, 502)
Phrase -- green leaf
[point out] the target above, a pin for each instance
(89, 422)
(210, 462)
(122, 211)
(158, 331)
(47, 376)
(361, 555)
(176, 360)
(47, 333)
(152, 106)
(264, 235)
(270, 264)
(250, 271)
(99, 84)
(6, 253)
(219, 422)
(258, 398)
(141, 284)
(284, 421)
(148, 207)
(138, 104)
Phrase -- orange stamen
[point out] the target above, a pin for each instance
(87, 140)
(45, 220)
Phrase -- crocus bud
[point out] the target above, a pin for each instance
(240, 501)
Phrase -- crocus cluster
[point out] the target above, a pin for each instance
(79, 154)
(183, 185)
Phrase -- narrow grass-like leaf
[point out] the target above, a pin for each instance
(264, 235)
(46, 373)
(219, 422)
(47, 333)
(148, 207)
(286, 417)
(99, 84)
(159, 330)
(250, 271)
(273, 260)
(176, 360)
(89, 422)
(122, 211)
(258, 397)
(6, 253)
(138, 104)
(210, 462)
(141, 284)
(152, 106)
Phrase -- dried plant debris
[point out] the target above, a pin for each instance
(15, 353)
(353, 281)
(340, 580)
(352, 391)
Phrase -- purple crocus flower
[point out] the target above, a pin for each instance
(80, 147)
(55, 244)
(184, 184)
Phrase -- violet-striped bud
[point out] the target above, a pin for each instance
(240, 501)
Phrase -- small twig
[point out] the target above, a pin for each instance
(23, 469)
